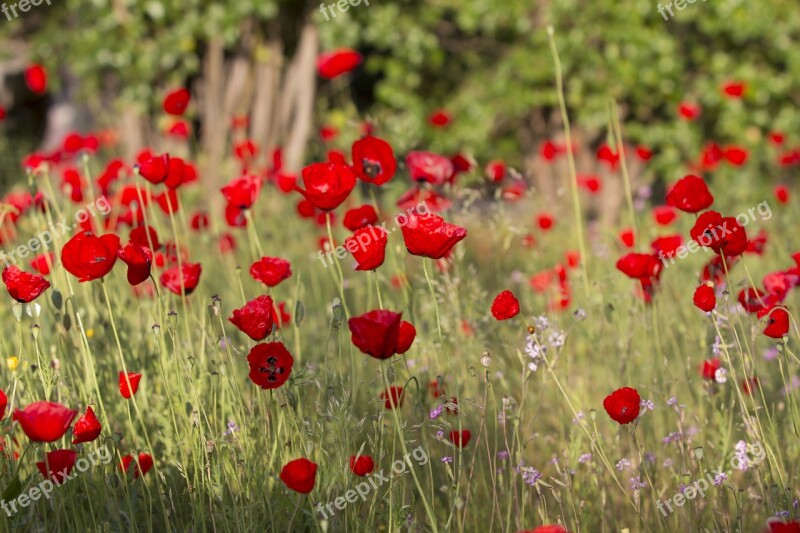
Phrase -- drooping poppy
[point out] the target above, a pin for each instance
(58, 466)
(376, 332)
(125, 389)
(271, 270)
(405, 337)
(188, 277)
(373, 160)
(270, 364)
(430, 236)
(255, 318)
(622, 405)
(393, 397)
(87, 428)
(300, 475)
(361, 465)
(44, 421)
(368, 246)
(139, 260)
(460, 438)
(327, 185)
(505, 306)
(22, 286)
(88, 257)
(359, 217)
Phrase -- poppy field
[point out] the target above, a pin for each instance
(350, 325)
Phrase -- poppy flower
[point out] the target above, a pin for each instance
(548, 528)
(2, 113)
(44, 421)
(255, 318)
(704, 298)
(368, 246)
(376, 333)
(690, 194)
(361, 465)
(88, 257)
(439, 118)
(734, 89)
(782, 194)
(125, 389)
(495, 170)
(328, 133)
(460, 438)
(627, 238)
(3, 404)
(359, 217)
(333, 64)
(139, 260)
(154, 168)
(299, 475)
(430, 236)
(271, 270)
(435, 201)
(179, 129)
(753, 300)
(777, 320)
(176, 173)
(188, 277)
(721, 234)
(36, 78)
(608, 156)
(638, 266)
(549, 151)
(327, 184)
(776, 526)
(644, 153)
(87, 428)
(373, 160)
(128, 464)
(622, 405)
(146, 237)
(242, 192)
(505, 306)
(392, 397)
(590, 183)
(749, 384)
(664, 215)
(689, 111)
(176, 101)
(405, 337)
(545, 221)
(429, 167)
(667, 246)
(270, 364)
(42, 262)
(59, 463)
(22, 286)
(710, 368)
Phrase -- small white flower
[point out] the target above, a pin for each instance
(719, 375)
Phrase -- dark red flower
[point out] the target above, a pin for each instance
(362, 465)
(36, 78)
(430, 235)
(2, 113)
(777, 526)
(3, 405)
(429, 167)
(44, 421)
(270, 364)
(22, 286)
(777, 321)
(460, 438)
(368, 246)
(176, 102)
(710, 368)
(154, 168)
(128, 464)
(373, 160)
(690, 194)
(187, 277)
(644, 153)
(299, 475)
(129, 384)
(88, 257)
(271, 270)
(255, 318)
(359, 217)
(753, 300)
(139, 260)
(622, 405)
(87, 428)
(327, 184)
(721, 234)
(505, 306)
(704, 298)
(337, 62)
(376, 333)
(199, 221)
(392, 397)
(58, 466)
(406, 336)
(146, 237)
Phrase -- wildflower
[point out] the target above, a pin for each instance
(503, 455)
(447, 459)
(505, 306)
(622, 405)
(145, 463)
(585, 458)
(720, 478)
(636, 483)
(436, 411)
(623, 463)
(541, 323)
(361, 465)
(647, 404)
(556, 339)
(232, 428)
(740, 455)
(672, 437)
(12, 363)
(719, 375)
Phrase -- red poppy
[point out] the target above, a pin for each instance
(607, 155)
(176, 173)
(749, 385)
(548, 528)
(736, 155)
(734, 89)
(710, 368)
(460, 438)
(430, 236)
(777, 321)
(139, 260)
(42, 263)
(125, 389)
(392, 397)
(58, 466)
(549, 151)
(545, 221)
(188, 277)
(368, 246)
(327, 184)
(689, 111)
(376, 333)
(333, 64)
(271, 270)
(435, 201)
(358, 217)
(622, 405)
(128, 464)
(36, 78)
(154, 168)
(782, 194)
(667, 246)
(704, 298)
(627, 237)
(299, 475)
(664, 215)
(87, 428)
(429, 167)
(144, 236)
(495, 170)
(721, 234)
(270, 364)
(405, 337)
(176, 102)
(590, 183)
(362, 465)
(328, 133)
(3, 404)
(255, 318)
(777, 526)
(638, 266)
(373, 160)
(180, 129)
(22, 286)
(753, 300)
(88, 257)
(644, 153)
(44, 421)
(505, 306)
(199, 221)
(242, 192)
(2, 113)
(690, 194)
(439, 118)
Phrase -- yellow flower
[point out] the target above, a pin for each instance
(90, 333)
(12, 362)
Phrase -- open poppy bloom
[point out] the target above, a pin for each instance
(368, 246)
(777, 321)
(127, 390)
(87, 428)
(373, 160)
(88, 257)
(640, 266)
(22, 286)
(154, 168)
(327, 184)
(704, 298)
(360, 217)
(242, 192)
(406, 336)
(58, 466)
(361, 465)
(128, 464)
(176, 102)
(376, 333)
(44, 421)
(139, 260)
(505, 306)
(429, 167)
(188, 277)
(392, 397)
(460, 438)
(299, 475)
(690, 194)
(42, 263)
(271, 270)
(430, 236)
(270, 364)
(333, 64)
(622, 405)
(721, 234)
(255, 318)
